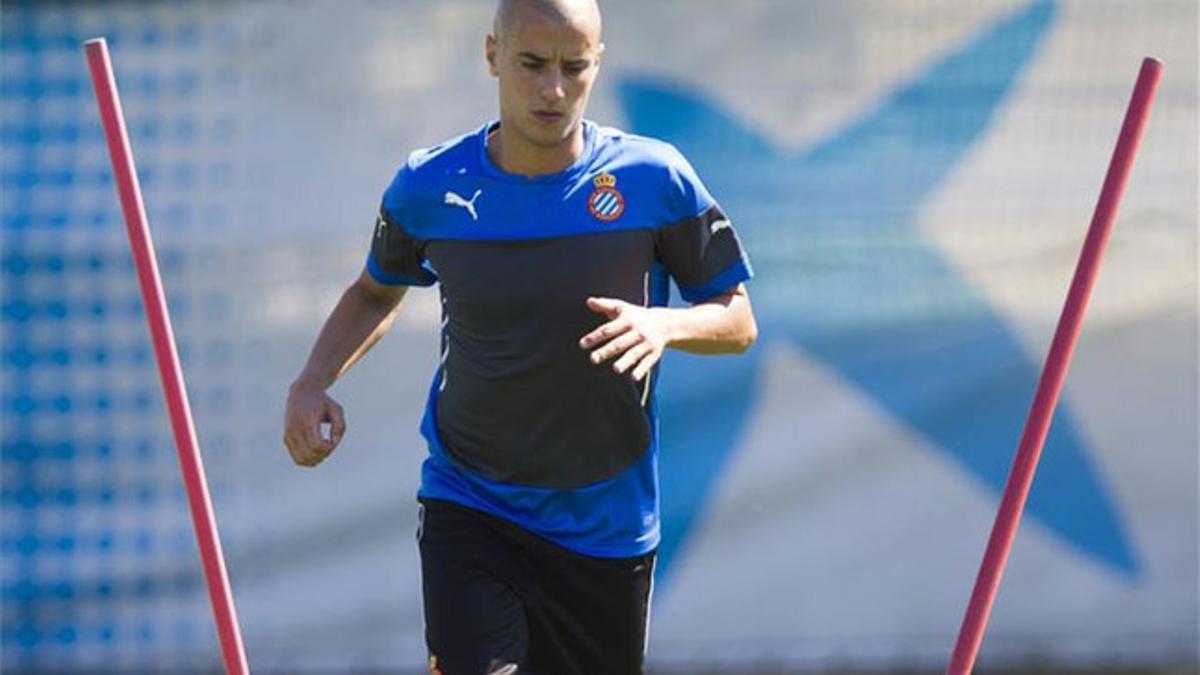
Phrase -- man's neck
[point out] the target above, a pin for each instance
(514, 154)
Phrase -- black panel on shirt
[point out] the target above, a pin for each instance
(397, 254)
(522, 404)
(694, 254)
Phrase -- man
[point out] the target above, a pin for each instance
(551, 239)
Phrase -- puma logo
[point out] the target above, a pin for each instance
(453, 199)
(719, 225)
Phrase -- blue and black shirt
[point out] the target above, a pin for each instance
(520, 423)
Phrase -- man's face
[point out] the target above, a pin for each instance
(546, 67)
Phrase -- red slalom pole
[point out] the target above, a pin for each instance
(205, 524)
(1016, 490)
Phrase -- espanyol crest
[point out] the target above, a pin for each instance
(606, 203)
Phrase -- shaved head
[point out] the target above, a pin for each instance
(583, 14)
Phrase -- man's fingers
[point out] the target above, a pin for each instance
(306, 446)
(297, 444)
(316, 456)
(313, 456)
(604, 332)
(631, 357)
(608, 330)
(312, 435)
(289, 441)
(606, 306)
(299, 449)
(643, 368)
(337, 421)
(616, 346)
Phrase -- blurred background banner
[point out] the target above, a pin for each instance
(913, 181)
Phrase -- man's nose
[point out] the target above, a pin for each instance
(552, 85)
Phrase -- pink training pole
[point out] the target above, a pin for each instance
(159, 319)
(1008, 517)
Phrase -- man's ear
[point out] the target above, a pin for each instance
(489, 49)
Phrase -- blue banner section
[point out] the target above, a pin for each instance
(98, 552)
(859, 287)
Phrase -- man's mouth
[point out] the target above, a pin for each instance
(547, 116)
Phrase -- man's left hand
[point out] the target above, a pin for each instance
(637, 335)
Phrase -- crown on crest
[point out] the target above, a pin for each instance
(604, 180)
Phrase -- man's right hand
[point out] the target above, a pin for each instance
(308, 408)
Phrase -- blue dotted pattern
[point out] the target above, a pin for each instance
(67, 487)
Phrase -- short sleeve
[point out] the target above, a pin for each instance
(396, 257)
(699, 248)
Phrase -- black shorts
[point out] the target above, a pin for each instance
(499, 599)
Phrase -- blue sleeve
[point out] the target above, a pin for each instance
(699, 247)
(396, 257)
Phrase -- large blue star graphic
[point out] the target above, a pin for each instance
(844, 273)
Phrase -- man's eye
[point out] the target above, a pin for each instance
(574, 69)
(531, 65)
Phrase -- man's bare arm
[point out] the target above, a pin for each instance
(721, 325)
(363, 314)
